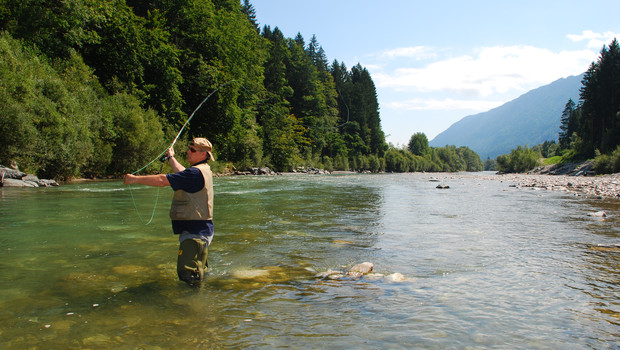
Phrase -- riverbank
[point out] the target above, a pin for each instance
(591, 186)
(607, 186)
(602, 186)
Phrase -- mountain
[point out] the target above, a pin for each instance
(528, 120)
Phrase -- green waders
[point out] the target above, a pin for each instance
(192, 261)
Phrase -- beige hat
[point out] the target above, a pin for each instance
(202, 145)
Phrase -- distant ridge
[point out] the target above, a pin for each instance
(530, 119)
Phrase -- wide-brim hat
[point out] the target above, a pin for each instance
(203, 145)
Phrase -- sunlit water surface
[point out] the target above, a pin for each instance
(485, 265)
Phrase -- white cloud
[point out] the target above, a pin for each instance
(445, 104)
(487, 71)
(595, 40)
(415, 52)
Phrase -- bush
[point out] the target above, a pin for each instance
(519, 160)
(608, 163)
(490, 165)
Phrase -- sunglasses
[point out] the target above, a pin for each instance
(193, 150)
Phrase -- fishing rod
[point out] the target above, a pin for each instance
(162, 157)
(194, 112)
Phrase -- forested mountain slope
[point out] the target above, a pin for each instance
(530, 119)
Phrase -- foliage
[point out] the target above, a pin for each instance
(594, 124)
(420, 157)
(278, 101)
(58, 122)
(608, 163)
(490, 164)
(418, 144)
(519, 160)
(568, 126)
(546, 149)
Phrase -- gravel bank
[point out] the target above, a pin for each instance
(594, 186)
(602, 186)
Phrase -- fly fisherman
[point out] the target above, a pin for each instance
(192, 206)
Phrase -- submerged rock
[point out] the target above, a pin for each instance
(250, 274)
(363, 270)
(331, 274)
(397, 277)
(360, 269)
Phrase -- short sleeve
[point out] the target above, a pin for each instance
(189, 180)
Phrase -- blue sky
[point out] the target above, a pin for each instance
(435, 62)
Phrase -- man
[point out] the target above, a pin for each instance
(192, 206)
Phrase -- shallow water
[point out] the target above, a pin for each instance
(485, 265)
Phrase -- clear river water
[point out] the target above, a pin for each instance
(484, 266)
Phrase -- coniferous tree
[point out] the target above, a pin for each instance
(567, 126)
(600, 102)
(248, 9)
(365, 110)
(281, 129)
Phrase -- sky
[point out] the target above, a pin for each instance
(436, 62)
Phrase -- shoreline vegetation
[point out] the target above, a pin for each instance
(98, 92)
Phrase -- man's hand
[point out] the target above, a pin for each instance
(129, 179)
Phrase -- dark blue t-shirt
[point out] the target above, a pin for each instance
(190, 180)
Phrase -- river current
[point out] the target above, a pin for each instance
(483, 264)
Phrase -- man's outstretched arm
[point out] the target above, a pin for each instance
(159, 180)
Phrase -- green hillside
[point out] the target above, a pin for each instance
(531, 119)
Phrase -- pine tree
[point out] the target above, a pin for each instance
(248, 9)
(600, 102)
(566, 127)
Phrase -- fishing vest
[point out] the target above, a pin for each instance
(194, 206)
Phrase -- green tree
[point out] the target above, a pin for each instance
(281, 130)
(248, 9)
(418, 144)
(472, 159)
(600, 102)
(519, 160)
(568, 124)
(58, 122)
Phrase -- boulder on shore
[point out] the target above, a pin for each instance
(15, 178)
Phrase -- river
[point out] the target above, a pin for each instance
(483, 265)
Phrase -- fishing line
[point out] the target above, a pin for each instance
(163, 158)
(160, 156)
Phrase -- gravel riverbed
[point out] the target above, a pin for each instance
(592, 186)
(602, 186)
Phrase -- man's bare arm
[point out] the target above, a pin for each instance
(150, 180)
(174, 163)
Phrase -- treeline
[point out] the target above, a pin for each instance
(419, 156)
(99, 87)
(589, 129)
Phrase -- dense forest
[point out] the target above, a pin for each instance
(590, 129)
(95, 88)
